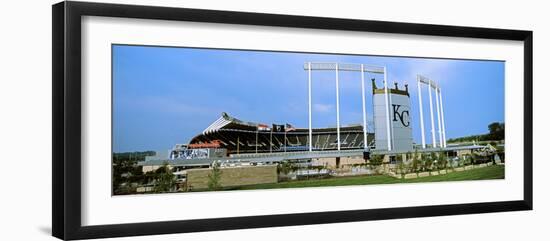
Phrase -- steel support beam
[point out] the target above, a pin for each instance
(364, 107)
(434, 143)
(421, 109)
(309, 106)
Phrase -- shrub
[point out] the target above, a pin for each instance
(376, 160)
(442, 160)
(416, 165)
(214, 178)
(165, 180)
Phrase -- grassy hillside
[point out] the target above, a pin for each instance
(485, 173)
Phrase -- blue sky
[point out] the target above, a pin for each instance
(164, 95)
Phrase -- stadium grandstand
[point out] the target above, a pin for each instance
(238, 137)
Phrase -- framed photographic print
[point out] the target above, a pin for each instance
(170, 120)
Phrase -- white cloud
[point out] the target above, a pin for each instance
(436, 69)
(322, 107)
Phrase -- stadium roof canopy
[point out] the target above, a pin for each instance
(239, 136)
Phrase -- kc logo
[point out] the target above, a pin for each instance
(401, 115)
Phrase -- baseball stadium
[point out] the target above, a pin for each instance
(239, 137)
(252, 153)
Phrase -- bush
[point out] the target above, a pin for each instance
(214, 178)
(403, 169)
(469, 159)
(126, 171)
(376, 160)
(165, 180)
(429, 161)
(442, 160)
(399, 158)
(416, 165)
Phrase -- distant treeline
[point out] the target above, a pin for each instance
(496, 133)
(137, 155)
(126, 170)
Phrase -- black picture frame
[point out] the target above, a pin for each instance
(66, 158)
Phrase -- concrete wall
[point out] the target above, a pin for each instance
(331, 162)
(150, 168)
(463, 152)
(233, 176)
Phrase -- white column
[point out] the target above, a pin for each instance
(421, 112)
(388, 134)
(434, 143)
(391, 121)
(442, 119)
(309, 104)
(438, 117)
(365, 143)
(337, 109)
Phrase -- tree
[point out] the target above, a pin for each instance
(126, 171)
(403, 169)
(416, 165)
(285, 167)
(496, 131)
(214, 178)
(442, 160)
(375, 161)
(469, 159)
(408, 156)
(475, 158)
(398, 158)
(165, 180)
(428, 162)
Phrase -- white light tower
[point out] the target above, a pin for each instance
(434, 143)
(440, 114)
(337, 108)
(365, 144)
(309, 105)
(342, 67)
(388, 103)
(442, 118)
(418, 77)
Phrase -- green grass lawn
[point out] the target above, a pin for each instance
(484, 173)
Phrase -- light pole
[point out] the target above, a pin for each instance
(418, 77)
(309, 105)
(337, 67)
(442, 119)
(365, 144)
(440, 114)
(434, 143)
(337, 108)
(438, 117)
(387, 100)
